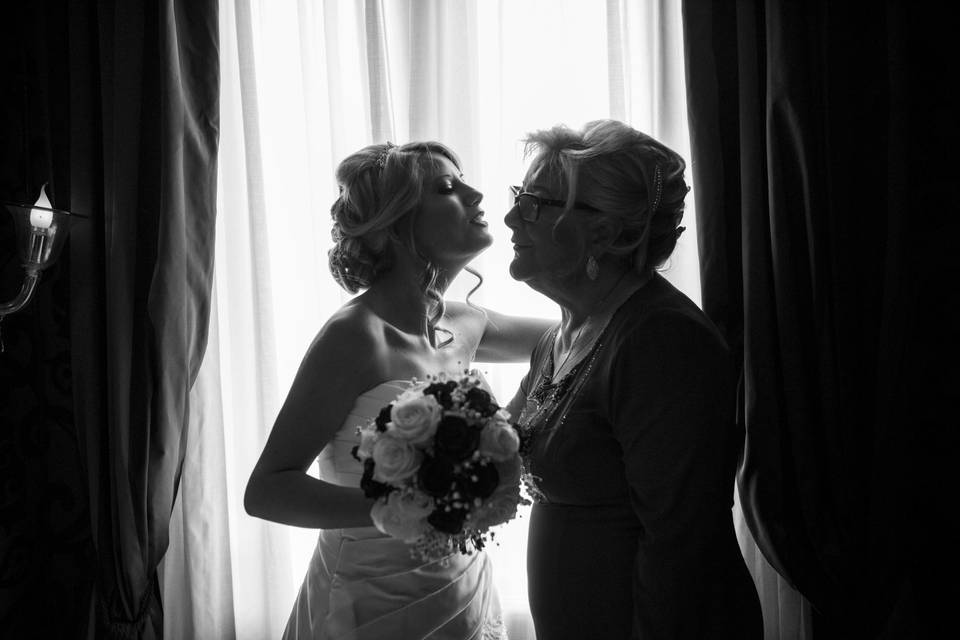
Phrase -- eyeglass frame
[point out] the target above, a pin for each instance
(540, 200)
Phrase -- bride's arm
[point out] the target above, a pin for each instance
(335, 370)
(500, 337)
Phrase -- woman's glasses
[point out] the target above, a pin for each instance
(529, 204)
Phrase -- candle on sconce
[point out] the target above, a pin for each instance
(40, 231)
(41, 218)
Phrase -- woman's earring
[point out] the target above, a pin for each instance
(593, 269)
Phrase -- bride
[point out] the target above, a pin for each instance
(405, 224)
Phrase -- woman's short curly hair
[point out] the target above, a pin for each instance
(627, 175)
(380, 186)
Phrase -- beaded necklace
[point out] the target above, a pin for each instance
(547, 395)
(575, 342)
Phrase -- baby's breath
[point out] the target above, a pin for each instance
(458, 506)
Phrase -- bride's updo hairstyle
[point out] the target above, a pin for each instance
(628, 176)
(380, 187)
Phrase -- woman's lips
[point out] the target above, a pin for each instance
(478, 220)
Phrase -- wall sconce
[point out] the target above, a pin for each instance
(40, 233)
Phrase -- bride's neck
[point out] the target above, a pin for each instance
(397, 297)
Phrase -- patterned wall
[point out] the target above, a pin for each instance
(46, 553)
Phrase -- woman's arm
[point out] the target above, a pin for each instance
(671, 406)
(498, 337)
(510, 338)
(329, 380)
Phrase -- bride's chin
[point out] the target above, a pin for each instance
(484, 244)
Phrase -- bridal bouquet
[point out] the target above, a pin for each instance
(442, 463)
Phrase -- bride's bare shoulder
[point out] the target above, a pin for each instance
(350, 336)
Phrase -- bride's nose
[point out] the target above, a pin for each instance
(474, 198)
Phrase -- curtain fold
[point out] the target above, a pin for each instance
(142, 146)
(810, 189)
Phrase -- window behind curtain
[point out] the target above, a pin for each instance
(305, 84)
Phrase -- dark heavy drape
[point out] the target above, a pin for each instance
(823, 139)
(130, 126)
(143, 274)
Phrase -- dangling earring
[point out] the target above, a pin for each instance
(593, 269)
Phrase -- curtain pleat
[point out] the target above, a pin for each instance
(209, 572)
(804, 120)
(143, 164)
(378, 72)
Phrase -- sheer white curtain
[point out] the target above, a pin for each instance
(305, 83)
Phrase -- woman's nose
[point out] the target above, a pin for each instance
(512, 217)
(474, 198)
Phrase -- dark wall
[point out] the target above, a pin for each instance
(46, 553)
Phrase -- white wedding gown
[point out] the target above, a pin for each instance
(364, 585)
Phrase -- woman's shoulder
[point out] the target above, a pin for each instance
(661, 312)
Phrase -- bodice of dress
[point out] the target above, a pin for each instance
(574, 456)
(636, 456)
(579, 429)
(337, 464)
(364, 585)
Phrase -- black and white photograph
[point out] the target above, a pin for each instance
(479, 320)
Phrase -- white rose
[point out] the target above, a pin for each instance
(499, 441)
(368, 436)
(414, 503)
(416, 419)
(394, 459)
(403, 514)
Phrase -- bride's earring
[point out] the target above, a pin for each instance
(593, 269)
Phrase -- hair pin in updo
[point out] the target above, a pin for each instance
(658, 188)
(381, 160)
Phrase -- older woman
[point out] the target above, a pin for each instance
(628, 406)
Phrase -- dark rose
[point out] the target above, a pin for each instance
(455, 438)
(372, 488)
(435, 476)
(441, 391)
(447, 521)
(383, 418)
(480, 400)
(487, 479)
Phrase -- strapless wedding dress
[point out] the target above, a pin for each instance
(364, 585)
